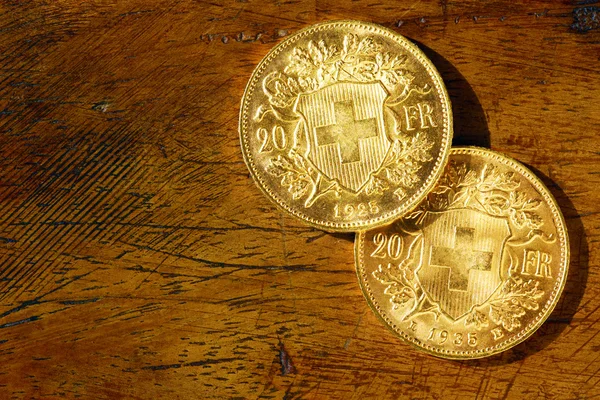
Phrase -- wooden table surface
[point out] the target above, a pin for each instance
(139, 259)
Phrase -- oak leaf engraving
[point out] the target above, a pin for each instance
(352, 59)
(404, 160)
(293, 172)
(376, 185)
(477, 319)
(319, 64)
(403, 285)
(495, 192)
(491, 191)
(397, 278)
(516, 296)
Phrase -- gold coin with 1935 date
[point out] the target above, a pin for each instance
(477, 267)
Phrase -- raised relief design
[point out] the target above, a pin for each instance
(536, 262)
(463, 266)
(471, 225)
(346, 135)
(339, 97)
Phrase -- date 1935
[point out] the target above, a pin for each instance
(441, 336)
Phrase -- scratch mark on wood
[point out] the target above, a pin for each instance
(19, 322)
(76, 302)
(101, 106)
(162, 367)
(287, 366)
(216, 264)
(199, 363)
(38, 300)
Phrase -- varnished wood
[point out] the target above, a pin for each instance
(139, 260)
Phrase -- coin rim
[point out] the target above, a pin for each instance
(406, 206)
(542, 316)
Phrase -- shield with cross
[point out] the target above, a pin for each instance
(461, 258)
(346, 131)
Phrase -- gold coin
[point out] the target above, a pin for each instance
(477, 267)
(346, 125)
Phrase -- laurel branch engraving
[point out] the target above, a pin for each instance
(320, 64)
(496, 194)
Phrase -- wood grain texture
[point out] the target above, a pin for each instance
(139, 260)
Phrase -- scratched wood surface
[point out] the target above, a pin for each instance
(139, 260)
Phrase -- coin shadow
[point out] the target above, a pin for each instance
(470, 122)
(346, 236)
(567, 306)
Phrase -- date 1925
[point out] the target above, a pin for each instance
(347, 211)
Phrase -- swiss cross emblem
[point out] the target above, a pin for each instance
(345, 131)
(461, 259)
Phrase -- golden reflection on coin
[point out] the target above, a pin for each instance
(346, 125)
(477, 267)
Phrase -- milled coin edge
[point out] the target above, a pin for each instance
(415, 199)
(543, 314)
